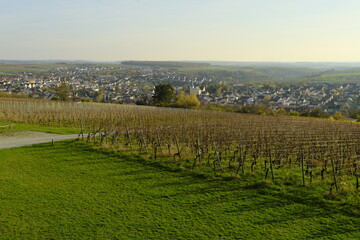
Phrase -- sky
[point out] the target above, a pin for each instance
(203, 30)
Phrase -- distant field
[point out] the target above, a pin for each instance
(213, 68)
(73, 191)
(254, 74)
(8, 69)
(167, 64)
(341, 75)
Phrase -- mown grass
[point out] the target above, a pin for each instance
(73, 191)
(12, 126)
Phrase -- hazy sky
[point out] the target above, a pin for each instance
(230, 30)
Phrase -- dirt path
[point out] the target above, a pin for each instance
(25, 138)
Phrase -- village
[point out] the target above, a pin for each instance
(135, 85)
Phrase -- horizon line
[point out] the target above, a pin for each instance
(135, 60)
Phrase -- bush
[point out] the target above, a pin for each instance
(316, 112)
(295, 113)
(261, 109)
(281, 111)
(337, 116)
(186, 100)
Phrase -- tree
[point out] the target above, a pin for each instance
(294, 113)
(99, 97)
(267, 98)
(315, 112)
(187, 101)
(63, 91)
(269, 86)
(218, 92)
(164, 94)
(337, 116)
(345, 108)
(281, 111)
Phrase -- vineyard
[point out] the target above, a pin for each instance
(268, 147)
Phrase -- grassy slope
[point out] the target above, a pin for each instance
(73, 191)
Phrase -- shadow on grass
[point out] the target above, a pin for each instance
(285, 203)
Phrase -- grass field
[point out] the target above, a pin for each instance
(73, 191)
(12, 126)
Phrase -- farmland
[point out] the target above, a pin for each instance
(228, 143)
(158, 173)
(9, 69)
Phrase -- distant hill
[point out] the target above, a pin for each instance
(350, 75)
(47, 61)
(284, 73)
(237, 74)
(169, 64)
(219, 71)
(314, 65)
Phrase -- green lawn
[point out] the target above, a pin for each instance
(73, 191)
(12, 126)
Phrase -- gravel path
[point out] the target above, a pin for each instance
(25, 138)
